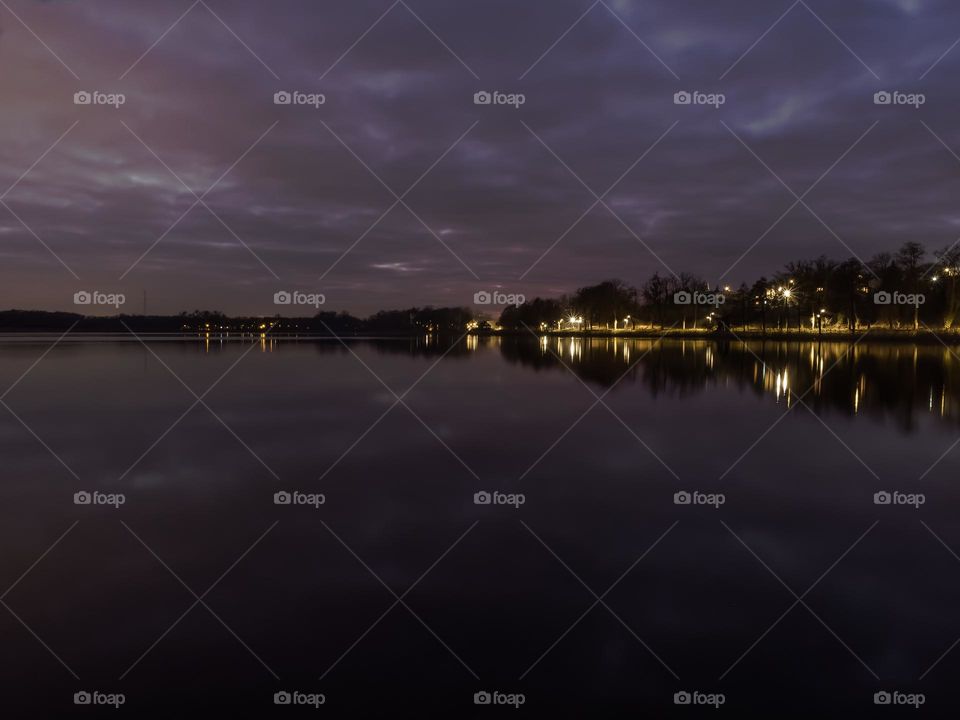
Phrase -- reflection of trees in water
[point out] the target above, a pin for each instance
(898, 381)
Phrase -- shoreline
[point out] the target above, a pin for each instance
(923, 336)
(872, 335)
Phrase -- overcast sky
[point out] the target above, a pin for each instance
(297, 194)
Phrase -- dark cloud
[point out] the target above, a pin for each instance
(515, 184)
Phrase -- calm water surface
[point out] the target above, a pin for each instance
(797, 437)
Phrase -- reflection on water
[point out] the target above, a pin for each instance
(879, 379)
(487, 413)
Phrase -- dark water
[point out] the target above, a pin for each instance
(797, 437)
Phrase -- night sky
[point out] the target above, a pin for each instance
(302, 197)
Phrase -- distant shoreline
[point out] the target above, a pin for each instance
(872, 335)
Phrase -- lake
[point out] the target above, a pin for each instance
(663, 517)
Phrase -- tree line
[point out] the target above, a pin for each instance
(908, 289)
